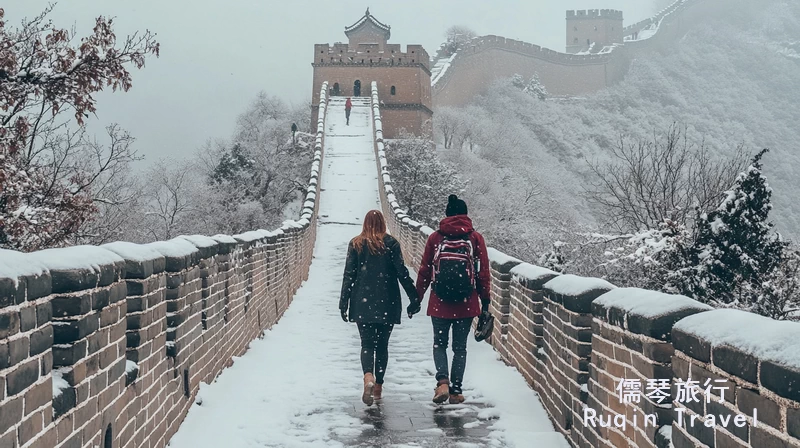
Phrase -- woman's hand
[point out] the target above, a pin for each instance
(344, 314)
(414, 307)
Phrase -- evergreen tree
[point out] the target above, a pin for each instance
(736, 251)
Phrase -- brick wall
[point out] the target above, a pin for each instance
(489, 58)
(575, 339)
(106, 346)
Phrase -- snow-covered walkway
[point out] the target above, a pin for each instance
(300, 385)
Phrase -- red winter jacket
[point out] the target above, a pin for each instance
(348, 104)
(453, 226)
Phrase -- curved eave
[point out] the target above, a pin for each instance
(354, 27)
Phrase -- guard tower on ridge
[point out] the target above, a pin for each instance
(403, 77)
(593, 28)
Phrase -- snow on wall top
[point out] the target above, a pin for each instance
(574, 285)
(200, 240)
(176, 247)
(76, 257)
(15, 264)
(132, 251)
(225, 239)
(499, 257)
(649, 304)
(531, 272)
(759, 336)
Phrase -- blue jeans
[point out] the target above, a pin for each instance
(441, 335)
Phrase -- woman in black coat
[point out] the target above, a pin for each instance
(371, 298)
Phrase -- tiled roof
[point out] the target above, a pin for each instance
(363, 20)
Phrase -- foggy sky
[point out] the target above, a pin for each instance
(216, 55)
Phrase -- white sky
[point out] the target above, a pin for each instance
(217, 55)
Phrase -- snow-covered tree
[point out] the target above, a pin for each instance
(457, 37)
(532, 87)
(50, 171)
(421, 181)
(736, 250)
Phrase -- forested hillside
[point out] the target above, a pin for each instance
(729, 83)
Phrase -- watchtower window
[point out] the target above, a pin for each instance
(394, 90)
(412, 61)
(322, 51)
(321, 61)
(108, 438)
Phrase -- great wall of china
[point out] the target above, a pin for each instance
(460, 77)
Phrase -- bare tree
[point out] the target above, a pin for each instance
(668, 178)
(51, 172)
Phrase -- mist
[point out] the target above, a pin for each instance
(217, 55)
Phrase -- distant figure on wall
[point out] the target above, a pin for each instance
(347, 106)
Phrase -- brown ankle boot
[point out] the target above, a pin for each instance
(369, 386)
(377, 392)
(456, 398)
(442, 391)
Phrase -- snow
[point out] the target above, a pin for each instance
(226, 239)
(130, 366)
(573, 285)
(200, 240)
(297, 386)
(75, 257)
(59, 383)
(132, 251)
(649, 304)
(762, 337)
(499, 257)
(15, 264)
(440, 68)
(531, 272)
(176, 247)
(250, 236)
(666, 433)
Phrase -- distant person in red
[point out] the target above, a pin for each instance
(455, 265)
(347, 106)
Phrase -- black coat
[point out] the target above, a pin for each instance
(369, 287)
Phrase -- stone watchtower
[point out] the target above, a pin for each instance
(601, 27)
(404, 78)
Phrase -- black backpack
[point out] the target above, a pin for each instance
(454, 269)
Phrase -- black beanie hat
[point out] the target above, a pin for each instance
(455, 206)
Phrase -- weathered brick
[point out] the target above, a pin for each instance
(27, 318)
(41, 340)
(762, 438)
(38, 396)
(768, 411)
(9, 324)
(79, 305)
(74, 330)
(692, 345)
(22, 376)
(11, 415)
(783, 380)
(793, 422)
(736, 362)
(67, 355)
(44, 313)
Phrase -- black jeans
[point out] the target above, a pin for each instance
(441, 336)
(347, 115)
(375, 348)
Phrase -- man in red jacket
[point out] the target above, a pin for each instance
(347, 106)
(457, 315)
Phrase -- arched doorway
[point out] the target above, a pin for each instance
(357, 88)
(336, 89)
